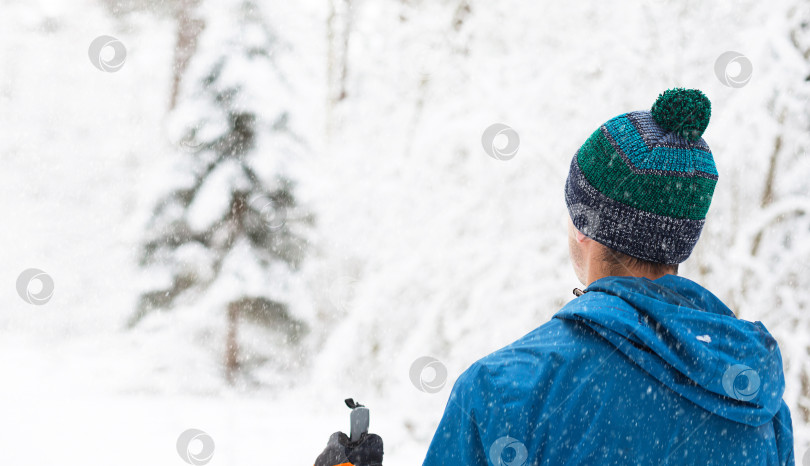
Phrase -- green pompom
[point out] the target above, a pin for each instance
(685, 112)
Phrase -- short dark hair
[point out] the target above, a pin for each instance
(618, 260)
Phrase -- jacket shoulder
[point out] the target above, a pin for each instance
(535, 359)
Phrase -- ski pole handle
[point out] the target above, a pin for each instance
(358, 420)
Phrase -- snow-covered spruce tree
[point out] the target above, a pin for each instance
(228, 237)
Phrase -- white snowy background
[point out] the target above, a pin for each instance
(423, 245)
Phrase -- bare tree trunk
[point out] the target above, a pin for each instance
(232, 342)
(189, 28)
(344, 62)
(235, 308)
(767, 192)
(338, 30)
(765, 201)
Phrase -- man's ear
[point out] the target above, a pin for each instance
(581, 238)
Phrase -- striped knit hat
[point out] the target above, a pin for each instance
(642, 183)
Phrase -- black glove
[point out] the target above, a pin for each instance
(368, 451)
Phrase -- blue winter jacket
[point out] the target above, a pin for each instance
(634, 371)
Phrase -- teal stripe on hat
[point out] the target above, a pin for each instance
(684, 160)
(659, 158)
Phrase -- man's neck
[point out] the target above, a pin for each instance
(597, 272)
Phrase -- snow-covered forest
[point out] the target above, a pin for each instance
(240, 212)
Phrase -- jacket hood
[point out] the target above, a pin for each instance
(685, 337)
